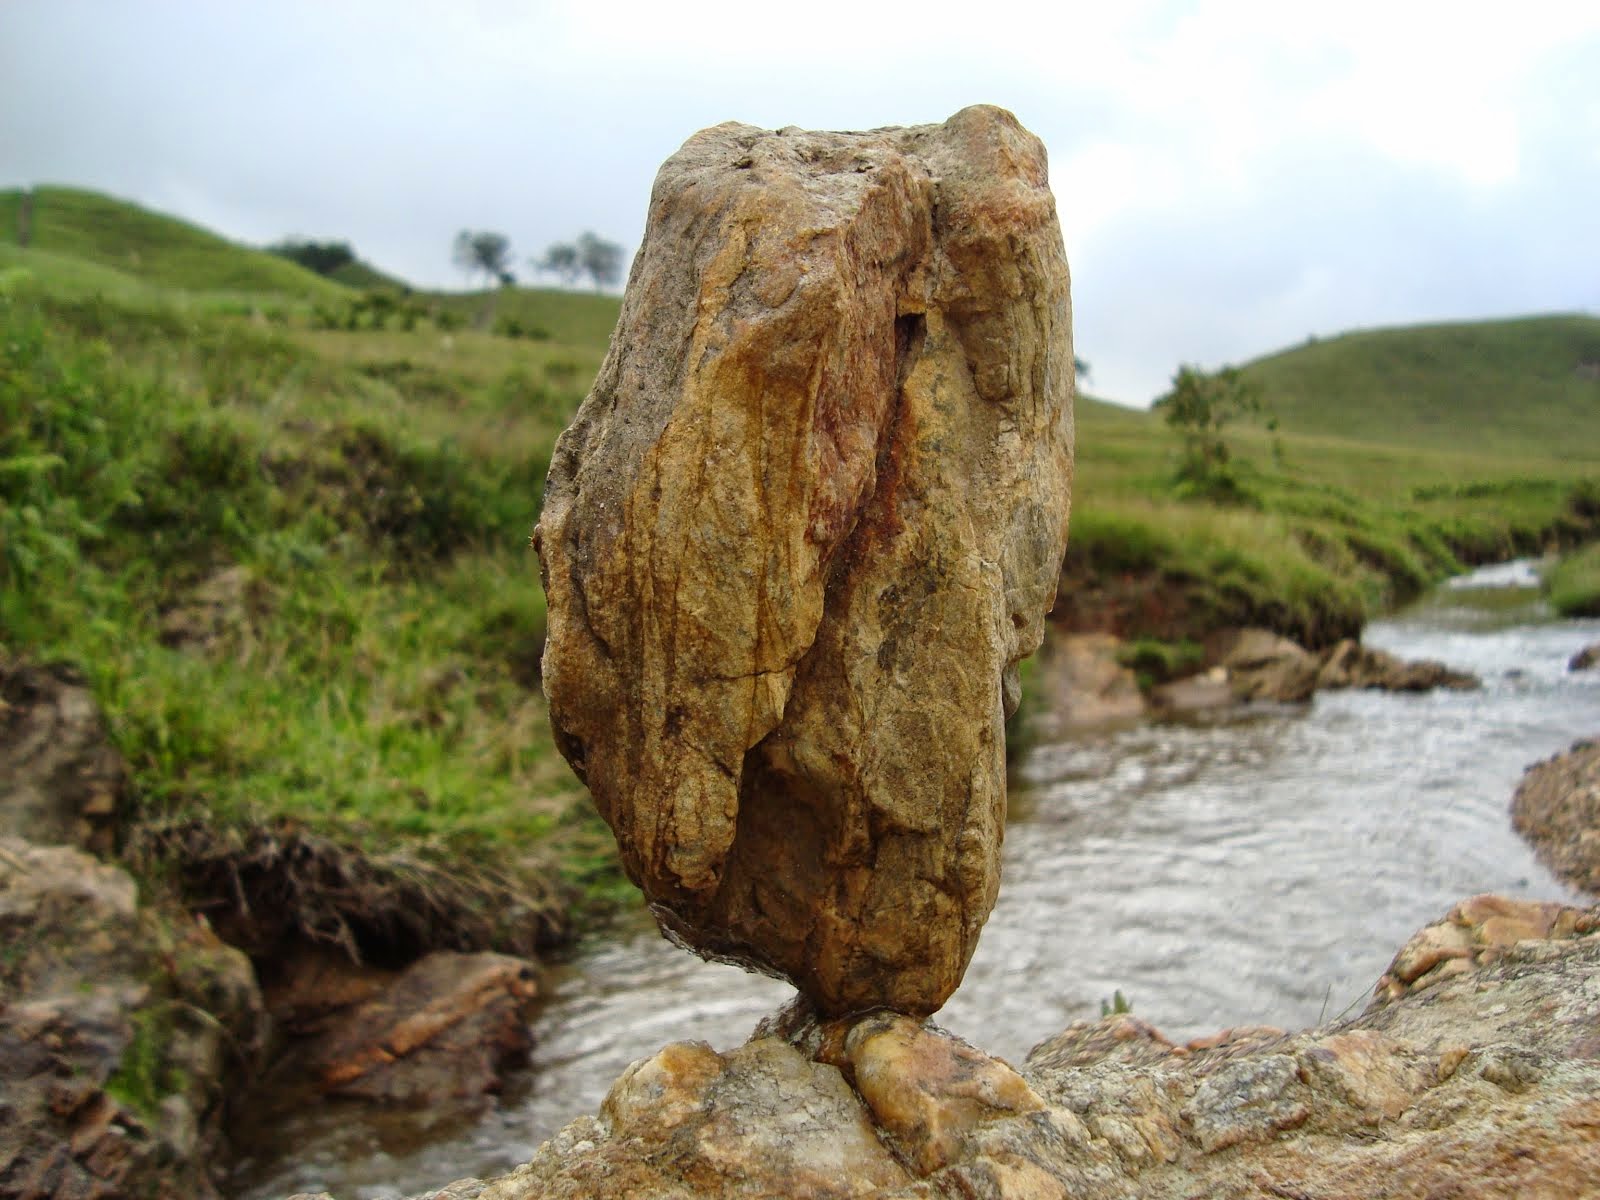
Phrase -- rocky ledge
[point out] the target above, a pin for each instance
(1474, 1072)
(130, 1029)
(1090, 684)
(1557, 809)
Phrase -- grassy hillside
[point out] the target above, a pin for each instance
(362, 275)
(292, 553)
(152, 247)
(1514, 387)
(574, 318)
(300, 583)
(1318, 532)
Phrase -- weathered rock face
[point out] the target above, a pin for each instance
(1557, 810)
(115, 1033)
(807, 521)
(1474, 1074)
(60, 779)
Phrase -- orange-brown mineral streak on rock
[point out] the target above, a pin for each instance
(812, 511)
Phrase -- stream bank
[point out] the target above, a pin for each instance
(1255, 865)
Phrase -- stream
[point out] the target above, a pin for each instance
(1258, 867)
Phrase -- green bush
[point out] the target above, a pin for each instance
(1573, 584)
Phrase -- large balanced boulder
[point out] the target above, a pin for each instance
(803, 528)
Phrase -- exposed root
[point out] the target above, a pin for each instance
(263, 888)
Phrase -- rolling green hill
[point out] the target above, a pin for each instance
(578, 318)
(362, 275)
(1527, 385)
(83, 242)
(181, 414)
(149, 247)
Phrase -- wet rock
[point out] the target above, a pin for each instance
(115, 1033)
(1349, 664)
(1084, 685)
(1263, 666)
(309, 987)
(446, 1028)
(60, 779)
(1480, 1084)
(761, 1120)
(1585, 659)
(799, 535)
(1477, 931)
(1194, 695)
(1557, 809)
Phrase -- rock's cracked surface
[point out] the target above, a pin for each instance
(1474, 1074)
(806, 523)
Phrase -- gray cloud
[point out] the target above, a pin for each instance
(1228, 183)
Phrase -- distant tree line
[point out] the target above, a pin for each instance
(590, 255)
(482, 252)
(322, 257)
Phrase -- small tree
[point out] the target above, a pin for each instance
(601, 260)
(481, 252)
(560, 260)
(1200, 407)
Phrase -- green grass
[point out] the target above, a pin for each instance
(362, 276)
(168, 413)
(1513, 387)
(1573, 584)
(568, 318)
(1321, 533)
(379, 684)
(154, 248)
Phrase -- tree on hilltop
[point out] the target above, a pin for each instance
(482, 252)
(590, 255)
(560, 260)
(601, 260)
(322, 257)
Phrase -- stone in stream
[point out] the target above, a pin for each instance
(801, 532)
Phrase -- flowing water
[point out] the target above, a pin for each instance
(1263, 866)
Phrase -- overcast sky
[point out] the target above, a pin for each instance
(1231, 177)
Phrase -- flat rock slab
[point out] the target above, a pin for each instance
(800, 533)
(444, 1029)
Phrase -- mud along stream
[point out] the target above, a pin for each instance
(1261, 867)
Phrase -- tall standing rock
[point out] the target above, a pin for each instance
(799, 535)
